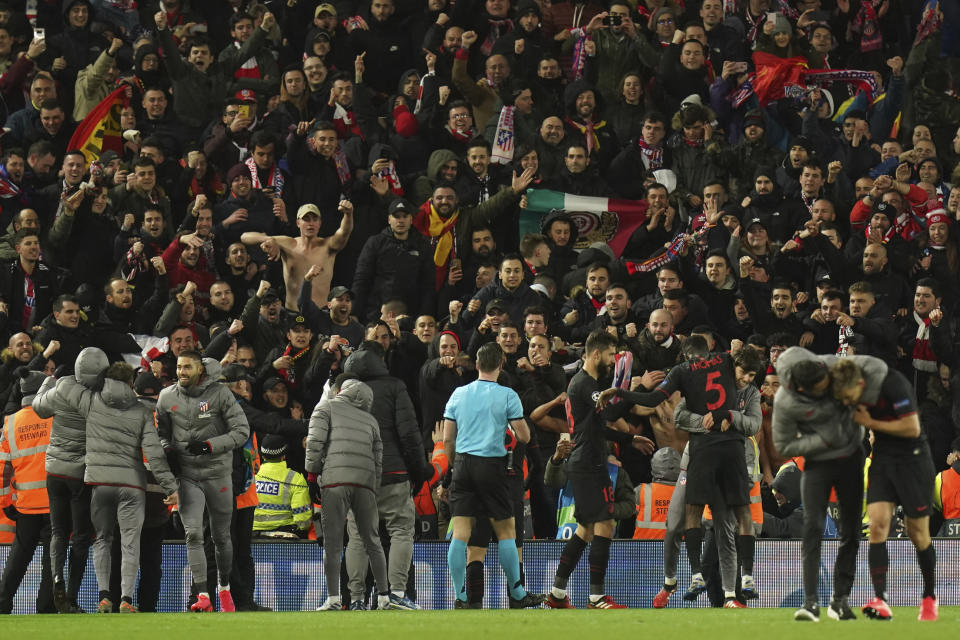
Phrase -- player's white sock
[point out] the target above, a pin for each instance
(595, 598)
(204, 594)
(729, 594)
(223, 588)
(399, 594)
(559, 594)
(670, 581)
(383, 601)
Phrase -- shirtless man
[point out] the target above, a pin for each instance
(307, 250)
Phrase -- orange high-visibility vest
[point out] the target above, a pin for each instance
(653, 501)
(23, 451)
(950, 500)
(8, 528)
(950, 493)
(249, 497)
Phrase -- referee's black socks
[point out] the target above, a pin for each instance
(745, 546)
(599, 557)
(569, 558)
(927, 559)
(474, 582)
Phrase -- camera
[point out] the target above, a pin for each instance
(613, 21)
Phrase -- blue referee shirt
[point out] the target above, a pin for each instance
(482, 411)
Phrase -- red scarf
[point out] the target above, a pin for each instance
(461, 136)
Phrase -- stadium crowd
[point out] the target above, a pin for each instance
(305, 195)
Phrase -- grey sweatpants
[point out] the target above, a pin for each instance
(397, 512)
(110, 506)
(362, 504)
(725, 525)
(217, 496)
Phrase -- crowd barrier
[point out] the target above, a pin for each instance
(290, 575)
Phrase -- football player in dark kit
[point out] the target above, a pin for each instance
(717, 471)
(587, 472)
(901, 473)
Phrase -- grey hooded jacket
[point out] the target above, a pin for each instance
(119, 428)
(747, 418)
(60, 399)
(343, 444)
(205, 412)
(817, 428)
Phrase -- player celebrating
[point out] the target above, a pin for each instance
(718, 469)
(902, 473)
(475, 422)
(587, 473)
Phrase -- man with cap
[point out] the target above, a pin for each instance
(395, 263)
(284, 500)
(247, 210)
(882, 230)
(788, 171)
(300, 254)
(336, 318)
(293, 362)
(23, 495)
(263, 320)
(752, 151)
(765, 203)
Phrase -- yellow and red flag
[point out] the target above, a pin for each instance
(100, 130)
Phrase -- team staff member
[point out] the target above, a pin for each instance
(23, 495)
(808, 422)
(120, 431)
(475, 422)
(587, 473)
(901, 473)
(200, 424)
(718, 467)
(69, 495)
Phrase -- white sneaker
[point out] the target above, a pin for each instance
(331, 604)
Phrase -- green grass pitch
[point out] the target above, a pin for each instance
(715, 624)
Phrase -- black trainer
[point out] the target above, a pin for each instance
(840, 610)
(60, 600)
(528, 601)
(462, 604)
(809, 612)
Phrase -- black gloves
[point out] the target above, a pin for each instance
(198, 448)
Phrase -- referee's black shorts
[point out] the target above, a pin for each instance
(717, 474)
(480, 488)
(906, 480)
(483, 534)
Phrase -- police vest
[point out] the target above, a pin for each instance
(566, 523)
(950, 499)
(653, 502)
(24, 448)
(284, 499)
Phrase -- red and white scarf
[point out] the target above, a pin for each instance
(923, 357)
(345, 123)
(249, 69)
(276, 177)
(652, 156)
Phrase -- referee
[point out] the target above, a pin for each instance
(475, 424)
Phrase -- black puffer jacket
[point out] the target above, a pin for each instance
(403, 457)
